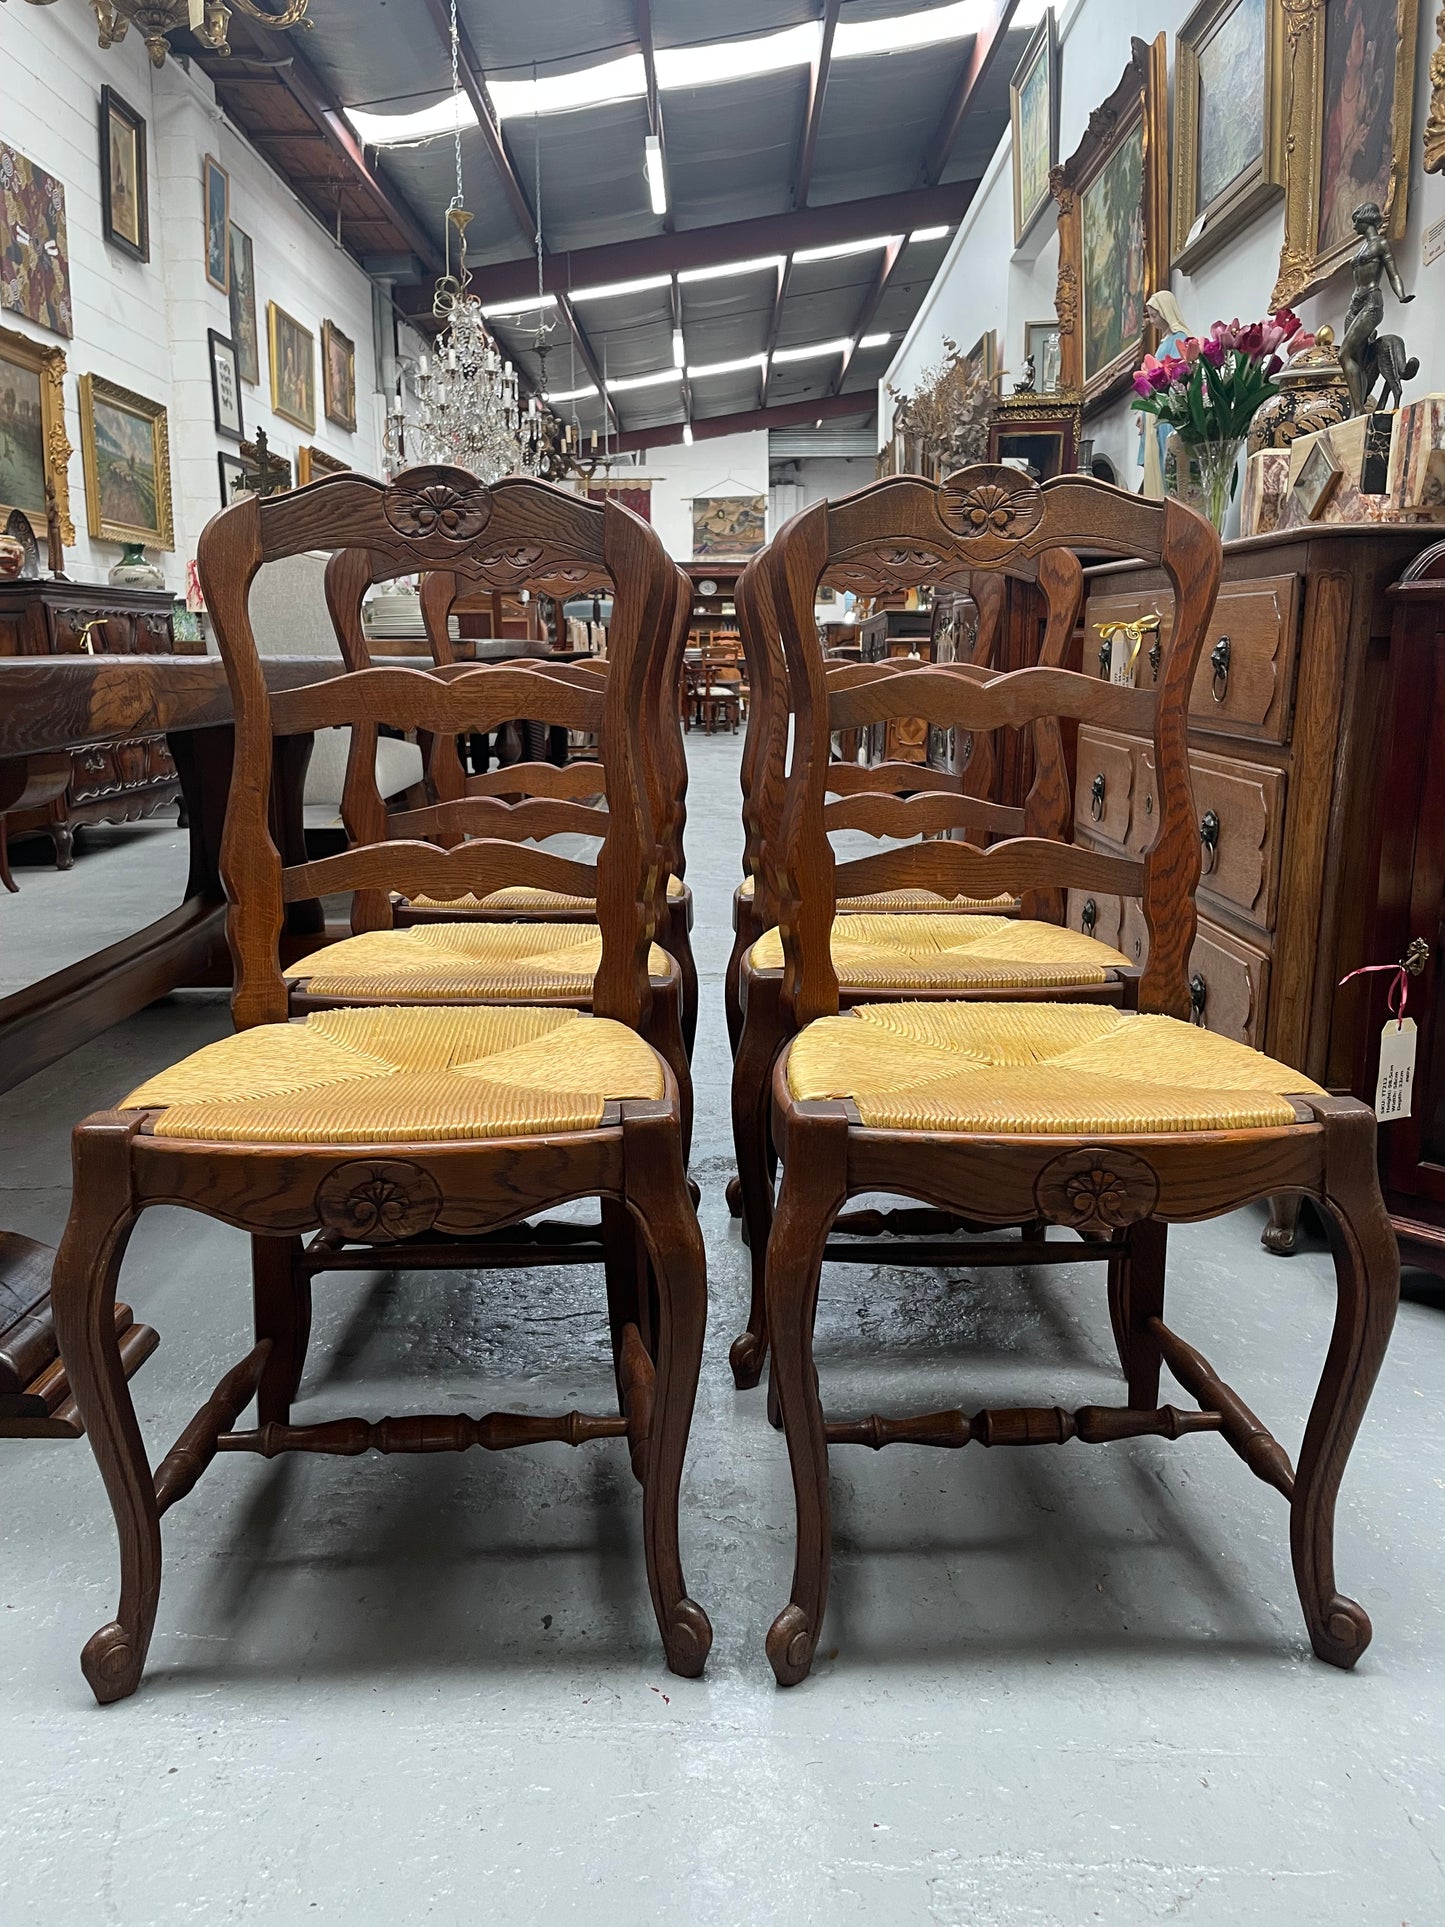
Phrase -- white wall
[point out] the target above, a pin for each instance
(144, 325)
(983, 284)
(726, 465)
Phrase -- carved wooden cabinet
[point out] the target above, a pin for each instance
(897, 632)
(113, 782)
(1286, 727)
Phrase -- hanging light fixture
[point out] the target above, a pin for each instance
(208, 20)
(467, 410)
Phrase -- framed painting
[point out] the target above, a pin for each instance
(982, 357)
(34, 451)
(1351, 87)
(34, 248)
(225, 387)
(216, 189)
(233, 471)
(125, 446)
(243, 307)
(728, 527)
(313, 463)
(1034, 125)
(338, 376)
(1230, 111)
(124, 193)
(1113, 196)
(293, 368)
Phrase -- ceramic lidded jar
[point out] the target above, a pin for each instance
(1313, 393)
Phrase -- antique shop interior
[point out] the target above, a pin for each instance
(718, 724)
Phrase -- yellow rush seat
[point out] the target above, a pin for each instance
(928, 952)
(449, 960)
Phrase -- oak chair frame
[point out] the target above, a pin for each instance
(889, 799)
(412, 1204)
(1120, 1191)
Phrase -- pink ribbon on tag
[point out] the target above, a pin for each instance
(1400, 988)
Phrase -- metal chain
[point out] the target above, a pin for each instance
(460, 199)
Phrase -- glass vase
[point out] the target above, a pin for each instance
(1217, 461)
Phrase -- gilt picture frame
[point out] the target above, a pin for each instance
(125, 448)
(1113, 196)
(314, 463)
(338, 376)
(1034, 125)
(124, 185)
(1230, 114)
(216, 198)
(293, 368)
(1351, 87)
(34, 448)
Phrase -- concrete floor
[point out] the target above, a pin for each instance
(1060, 1687)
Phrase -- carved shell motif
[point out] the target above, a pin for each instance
(1097, 1190)
(428, 502)
(378, 1200)
(990, 506)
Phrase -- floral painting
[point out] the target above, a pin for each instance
(1113, 255)
(728, 527)
(34, 254)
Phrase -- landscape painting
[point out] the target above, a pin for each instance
(1034, 116)
(125, 444)
(22, 440)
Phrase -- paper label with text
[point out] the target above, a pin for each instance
(1397, 1070)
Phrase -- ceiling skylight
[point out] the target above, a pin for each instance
(724, 60)
(572, 394)
(527, 304)
(720, 270)
(617, 383)
(905, 31)
(425, 124)
(609, 288)
(928, 233)
(700, 371)
(842, 248)
(624, 79)
(874, 341)
(814, 352)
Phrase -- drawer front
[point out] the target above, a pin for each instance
(1241, 829)
(1242, 686)
(1104, 786)
(1240, 810)
(92, 773)
(1096, 915)
(1228, 980)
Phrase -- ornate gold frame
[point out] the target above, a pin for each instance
(1261, 182)
(1435, 122)
(49, 364)
(313, 463)
(1302, 267)
(273, 311)
(340, 409)
(1141, 97)
(95, 388)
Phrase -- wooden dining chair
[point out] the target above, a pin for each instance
(405, 1134)
(1111, 1122)
(539, 798)
(892, 939)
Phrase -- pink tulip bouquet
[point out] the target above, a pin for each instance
(1209, 388)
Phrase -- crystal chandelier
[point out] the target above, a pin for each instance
(208, 20)
(467, 412)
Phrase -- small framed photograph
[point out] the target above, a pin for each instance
(1316, 482)
(217, 189)
(293, 368)
(233, 471)
(124, 194)
(338, 376)
(225, 386)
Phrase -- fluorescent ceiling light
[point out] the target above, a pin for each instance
(700, 373)
(929, 233)
(524, 306)
(679, 351)
(720, 270)
(652, 167)
(814, 352)
(426, 123)
(842, 248)
(726, 60)
(852, 38)
(572, 394)
(624, 79)
(619, 382)
(687, 434)
(875, 341)
(610, 288)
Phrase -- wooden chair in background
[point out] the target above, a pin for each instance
(1109, 1122)
(419, 1136)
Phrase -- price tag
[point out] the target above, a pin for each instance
(1397, 1070)
(1124, 653)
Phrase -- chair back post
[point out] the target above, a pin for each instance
(667, 725)
(439, 590)
(1049, 804)
(765, 739)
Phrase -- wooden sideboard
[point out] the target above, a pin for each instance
(108, 782)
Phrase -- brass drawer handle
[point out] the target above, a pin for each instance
(1096, 797)
(1209, 837)
(1090, 916)
(1198, 998)
(1219, 658)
